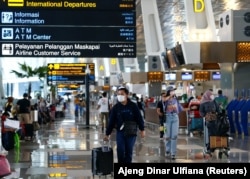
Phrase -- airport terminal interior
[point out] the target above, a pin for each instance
(171, 50)
(62, 149)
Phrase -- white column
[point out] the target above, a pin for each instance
(200, 20)
(152, 28)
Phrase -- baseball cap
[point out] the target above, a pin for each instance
(170, 88)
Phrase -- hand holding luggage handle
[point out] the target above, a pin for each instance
(106, 145)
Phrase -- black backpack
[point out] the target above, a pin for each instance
(8, 141)
(222, 124)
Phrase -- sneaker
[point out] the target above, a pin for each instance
(173, 157)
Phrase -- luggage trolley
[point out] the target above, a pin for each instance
(195, 121)
(215, 140)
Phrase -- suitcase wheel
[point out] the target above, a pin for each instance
(220, 155)
(206, 154)
(225, 152)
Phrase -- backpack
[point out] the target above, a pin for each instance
(8, 141)
(222, 124)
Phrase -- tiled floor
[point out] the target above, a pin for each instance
(63, 150)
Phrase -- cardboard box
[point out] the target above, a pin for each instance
(218, 142)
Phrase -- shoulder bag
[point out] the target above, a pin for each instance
(130, 128)
(211, 116)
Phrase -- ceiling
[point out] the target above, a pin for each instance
(172, 19)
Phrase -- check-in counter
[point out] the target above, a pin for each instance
(151, 115)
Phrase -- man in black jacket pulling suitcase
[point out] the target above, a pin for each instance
(125, 116)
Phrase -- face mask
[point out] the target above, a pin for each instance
(212, 97)
(121, 98)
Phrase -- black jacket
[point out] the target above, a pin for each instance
(121, 112)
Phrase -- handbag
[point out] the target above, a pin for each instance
(210, 116)
(5, 169)
(130, 128)
(161, 128)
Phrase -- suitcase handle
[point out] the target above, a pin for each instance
(106, 146)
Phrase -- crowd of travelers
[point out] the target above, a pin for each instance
(29, 113)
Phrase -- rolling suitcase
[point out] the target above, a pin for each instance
(102, 160)
(196, 124)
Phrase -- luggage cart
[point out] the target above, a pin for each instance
(214, 142)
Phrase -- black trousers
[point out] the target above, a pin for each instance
(29, 130)
(161, 120)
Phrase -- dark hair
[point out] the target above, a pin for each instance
(104, 94)
(25, 95)
(124, 89)
(10, 99)
(219, 91)
(163, 93)
(168, 93)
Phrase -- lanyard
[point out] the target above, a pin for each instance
(164, 106)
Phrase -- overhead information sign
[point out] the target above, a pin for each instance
(70, 73)
(86, 23)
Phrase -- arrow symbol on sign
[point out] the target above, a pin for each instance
(50, 66)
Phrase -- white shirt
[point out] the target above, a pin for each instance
(103, 103)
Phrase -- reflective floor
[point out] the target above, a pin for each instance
(63, 149)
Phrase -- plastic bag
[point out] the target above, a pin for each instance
(16, 140)
(5, 166)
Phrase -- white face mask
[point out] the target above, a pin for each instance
(212, 97)
(121, 98)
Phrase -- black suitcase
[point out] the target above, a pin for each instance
(102, 161)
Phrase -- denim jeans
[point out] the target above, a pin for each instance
(125, 147)
(172, 128)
